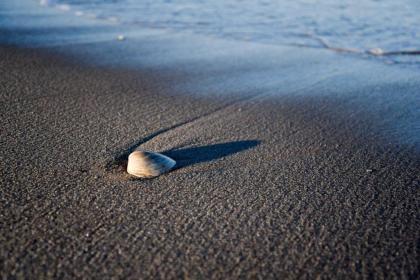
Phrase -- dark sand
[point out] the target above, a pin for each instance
(267, 186)
(292, 163)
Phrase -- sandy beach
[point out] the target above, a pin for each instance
(291, 163)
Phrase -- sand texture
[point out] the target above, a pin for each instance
(266, 186)
(291, 162)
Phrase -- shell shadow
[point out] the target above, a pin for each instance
(189, 156)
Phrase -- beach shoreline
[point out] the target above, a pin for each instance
(291, 163)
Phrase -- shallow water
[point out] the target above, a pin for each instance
(360, 25)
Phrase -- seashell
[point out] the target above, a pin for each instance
(145, 164)
(376, 51)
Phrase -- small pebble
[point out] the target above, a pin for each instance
(369, 170)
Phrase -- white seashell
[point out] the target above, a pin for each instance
(376, 51)
(145, 164)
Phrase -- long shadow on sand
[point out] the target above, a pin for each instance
(189, 156)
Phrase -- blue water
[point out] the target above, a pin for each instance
(358, 25)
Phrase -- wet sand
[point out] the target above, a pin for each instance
(266, 186)
(291, 163)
